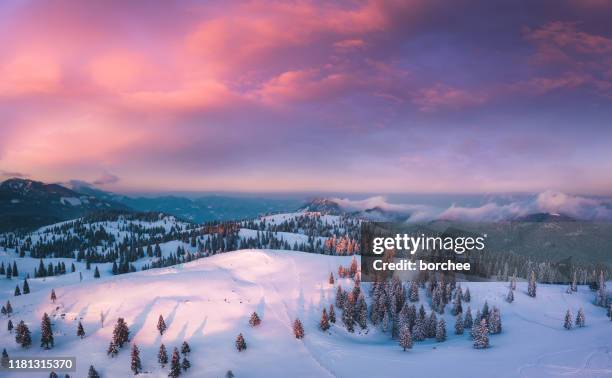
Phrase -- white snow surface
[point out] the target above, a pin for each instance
(208, 302)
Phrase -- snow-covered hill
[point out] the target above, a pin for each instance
(208, 302)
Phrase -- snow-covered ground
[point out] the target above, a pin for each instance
(208, 302)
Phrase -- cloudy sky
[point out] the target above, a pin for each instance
(355, 96)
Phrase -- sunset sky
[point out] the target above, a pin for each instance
(355, 96)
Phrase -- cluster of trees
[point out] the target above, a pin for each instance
(9, 271)
(176, 364)
(580, 319)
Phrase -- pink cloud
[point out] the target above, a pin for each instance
(442, 96)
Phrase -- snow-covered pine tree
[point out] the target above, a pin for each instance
(580, 318)
(414, 291)
(254, 320)
(574, 285)
(441, 331)
(185, 348)
(121, 333)
(46, 333)
(362, 312)
(5, 359)
(23, 336)
(494, 323)
(136, 364)
(112, 349)
(481, 335)
(26, 286)
(53, 296)
(466, 295)
(510, 296)
(162, 355)
(513, 282)
(485, 310)
(240, 343)
(432, 324)
(419, 332)
(348, 316)
(9, 326)
(80, 330)
(332, 313)
(9, 308)
(161, 325)
(531, 286)
(175, 364)
(405, 338)
(459, 325)
(602, 296)
(567, 324)
(324, 322)
(339, 297)
(185, 364)
(457, 307)
(298, 329)
(17, 291)
(92, 373)
(386, 322)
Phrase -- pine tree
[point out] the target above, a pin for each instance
(405, 338)
(185, 364)
(26, 286)
(46, 337)
(254, 321)
(96, 272)
(9, 308)
(298, 329)
(112, 349)
(432, 325)
(121, 333)
(92, 373)
(53, 296)
(5, 359)
(23, 336)
(17, 291)
(574, 285)
(580, 319)
(161, 325)
(162, 356)
(414, 291)
(135, 365)
(418, 333)
(331, 278)
(568, 320)
(3, 310)
(481, 335)
(531, 287)
(240, 343)
(459, 325)
(494, 322)
(348, 316)
(457, 307)
(332, 313)
(441, 331)
(53, 375)
(362, 312)
(229, 374)
(185, 348)
(80, 330)
(466, 295)
(510, 296)
(9, 326)
(175, 364)
(324, 322)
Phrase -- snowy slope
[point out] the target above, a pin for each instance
(208, 302)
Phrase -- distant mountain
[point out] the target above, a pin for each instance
(200, 209)
(323, 205)
(28, 204)
(545, 218)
